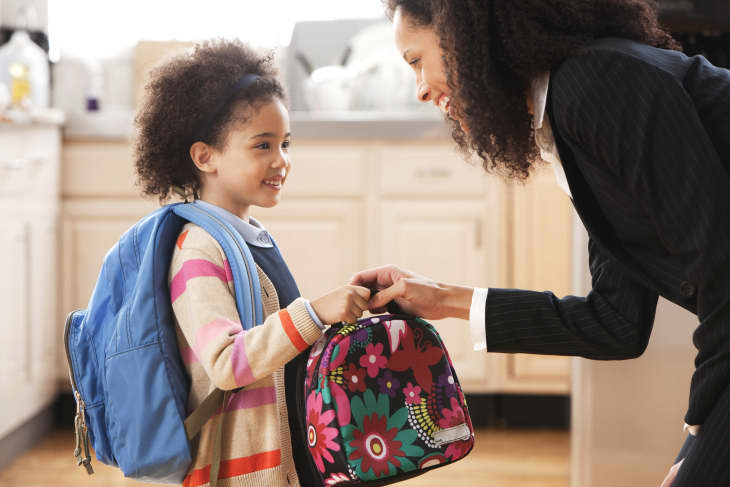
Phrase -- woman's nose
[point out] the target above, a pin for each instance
(423, 92)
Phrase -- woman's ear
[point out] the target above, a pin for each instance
(202, 156)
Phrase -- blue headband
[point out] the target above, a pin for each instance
(201, 130)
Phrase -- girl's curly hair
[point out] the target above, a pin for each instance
(493, 48)
(181, 97)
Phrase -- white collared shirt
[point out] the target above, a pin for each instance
(252, 231)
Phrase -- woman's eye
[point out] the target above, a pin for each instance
(414, 62)
(286, 144)
(263, 146)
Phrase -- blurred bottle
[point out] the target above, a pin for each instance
(24, 68)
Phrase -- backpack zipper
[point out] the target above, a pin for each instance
(245, 262)
(80, 428)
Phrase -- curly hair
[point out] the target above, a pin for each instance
(494, 48)
(182, 96)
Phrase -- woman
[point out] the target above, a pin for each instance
(639, 135)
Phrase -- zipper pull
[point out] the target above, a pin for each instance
(82, 435)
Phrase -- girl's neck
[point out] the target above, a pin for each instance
(241, 212)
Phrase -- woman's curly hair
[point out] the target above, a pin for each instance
(181, 97)
(493, 48)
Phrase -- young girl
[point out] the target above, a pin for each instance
(215, 126)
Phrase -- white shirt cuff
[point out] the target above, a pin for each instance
(693, 429)
(313, 315)
(477, 318)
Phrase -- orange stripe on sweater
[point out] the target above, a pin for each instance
(235, 467)
(181, 239)
(291, 331)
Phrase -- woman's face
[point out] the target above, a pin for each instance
(420, 48)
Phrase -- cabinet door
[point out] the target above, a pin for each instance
(448, 241)
(542, 222)
(44, 278)
(15, 304)
(321, 240)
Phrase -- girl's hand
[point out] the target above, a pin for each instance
(416, 295)
(343, 304)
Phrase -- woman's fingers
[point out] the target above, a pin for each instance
(379, 277)
(387, 295)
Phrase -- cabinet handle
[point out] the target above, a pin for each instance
(433, 173)
(21, 163)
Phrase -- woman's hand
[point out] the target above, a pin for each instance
(669, 479)
(343, 304)
(416, 295)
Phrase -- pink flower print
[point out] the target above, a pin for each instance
(458, 449)
(320, 435)
(373, 359)
(337, 478)
(452, 417)
(413, 394)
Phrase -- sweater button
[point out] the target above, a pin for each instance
(687, 289)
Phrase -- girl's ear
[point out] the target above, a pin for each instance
(202, 156)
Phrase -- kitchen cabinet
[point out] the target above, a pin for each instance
(353, 204)
(541, 236)
(29, 167)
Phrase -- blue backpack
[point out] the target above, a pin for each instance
(128, 378)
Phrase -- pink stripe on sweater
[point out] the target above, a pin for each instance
(252, 398)
(241, 368)
(213, 330)
(197, 268)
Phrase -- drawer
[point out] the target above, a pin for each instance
(98, 168)
(326, 170)
(29, 163)
(428, 170)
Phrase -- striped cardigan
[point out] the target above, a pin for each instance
(256, 447)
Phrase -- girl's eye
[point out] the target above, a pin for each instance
(286, 144)
(263, 146)
(414, 62)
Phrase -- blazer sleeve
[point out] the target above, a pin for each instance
(646, 130)
(205, 308)
(612, 322)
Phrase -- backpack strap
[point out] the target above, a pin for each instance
(250, 310)
(194, 423)
(248, 290)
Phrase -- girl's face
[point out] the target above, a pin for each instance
(254, 164)
(420, 48)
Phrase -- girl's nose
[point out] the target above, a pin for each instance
(423, 91)
(282, 160)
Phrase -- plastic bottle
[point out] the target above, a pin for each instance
(24, 70)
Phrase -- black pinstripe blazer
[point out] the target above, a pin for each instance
(644, 136)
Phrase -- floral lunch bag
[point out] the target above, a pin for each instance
(383, 403)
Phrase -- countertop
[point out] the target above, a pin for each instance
(119, 125)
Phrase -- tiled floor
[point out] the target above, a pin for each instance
(499, 459)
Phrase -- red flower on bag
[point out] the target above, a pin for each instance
(376, 445)
(452, 417)
(373, 359)
(413, 394)
(355, 378)
(319, 434)
(417, 357)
